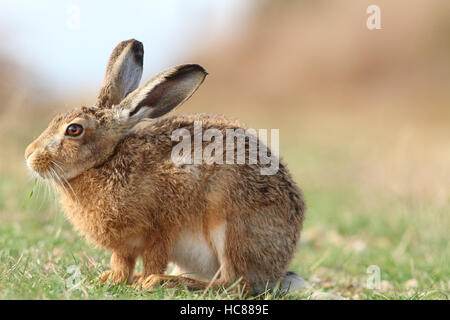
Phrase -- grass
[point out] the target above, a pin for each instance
(363, 210)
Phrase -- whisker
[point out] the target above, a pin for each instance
(43, 184)
(53, 184)
(47, 194)
(57, 179)
(63, 181)
(38, 194)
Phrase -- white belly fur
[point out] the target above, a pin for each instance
(194, 257)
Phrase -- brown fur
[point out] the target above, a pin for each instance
(121, 190)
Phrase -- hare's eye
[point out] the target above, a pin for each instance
(74, 130)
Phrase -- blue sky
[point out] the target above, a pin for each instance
(68, 42)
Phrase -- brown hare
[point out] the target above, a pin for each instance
(121, 189)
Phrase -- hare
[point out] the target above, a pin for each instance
(120, 188)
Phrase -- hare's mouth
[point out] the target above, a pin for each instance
(38, 172)
(44, 167)
(53, 173)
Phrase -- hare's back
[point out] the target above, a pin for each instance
(242, 183)
(166, 126)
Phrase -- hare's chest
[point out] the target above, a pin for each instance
(96, 225)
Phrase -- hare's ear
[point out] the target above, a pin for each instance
(163, 92)
(123, 73)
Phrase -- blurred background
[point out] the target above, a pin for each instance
(363, 116)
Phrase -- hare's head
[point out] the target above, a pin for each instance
(85, 137)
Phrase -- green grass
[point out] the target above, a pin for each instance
(350, 225)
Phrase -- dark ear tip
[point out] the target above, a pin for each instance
(137, 45)
(201, 69)
(138, 51)
(136, 48)
(132, 40)
(187, 68)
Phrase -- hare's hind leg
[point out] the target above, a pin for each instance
(169, 281)
(175, 271)
(155, 281)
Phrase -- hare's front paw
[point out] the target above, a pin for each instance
(138, 278)
(115, 277)
(151, 282)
